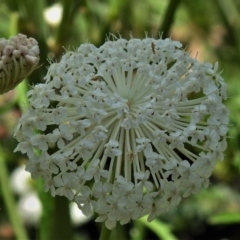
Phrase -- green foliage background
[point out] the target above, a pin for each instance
(209, 29)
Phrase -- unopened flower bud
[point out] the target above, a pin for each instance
(19, 56)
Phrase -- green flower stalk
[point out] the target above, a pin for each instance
(19, 56)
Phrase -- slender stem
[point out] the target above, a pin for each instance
(10, 201)
(231, 21)
(169, 17)
(22, 100)
(162, 230)
(105, 233)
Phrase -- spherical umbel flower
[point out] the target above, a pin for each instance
(127, 129)
(19, 56)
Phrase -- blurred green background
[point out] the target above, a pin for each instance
(210, 30)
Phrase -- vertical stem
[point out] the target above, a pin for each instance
(231, 21)
(5, 187)
(105, 233)
(46, 221)
(65, 28)
(169, 17)
(31, 22)
(62, 228)
(10, 201)
(139, 231)
(119, 232)
(32, 11)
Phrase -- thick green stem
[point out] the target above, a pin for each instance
(10, 201)
(169, 17)
(119, 232)
(32, 11)
(65, 27)
(139, 231)
(46, 221)
(105, 233)
(62, 228)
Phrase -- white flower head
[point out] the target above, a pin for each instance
(126, 117)
(19, 56)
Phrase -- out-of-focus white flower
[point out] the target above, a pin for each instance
(29, 205)
(77, 217)
(20, 180)
(30, 208)
(124, 118)
(19, 56)
(53, 14)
